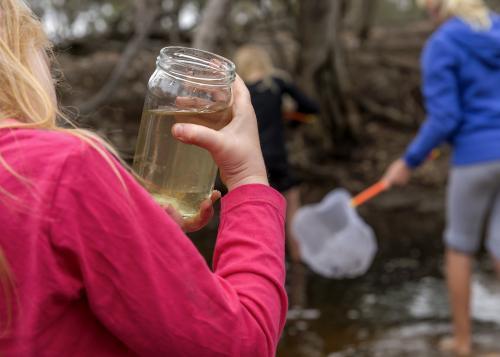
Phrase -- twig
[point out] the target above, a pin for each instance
(392, 115)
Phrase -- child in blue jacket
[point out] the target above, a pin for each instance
(461, 87)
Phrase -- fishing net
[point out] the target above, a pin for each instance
(334, 241)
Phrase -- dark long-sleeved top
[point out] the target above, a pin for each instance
(267, 100)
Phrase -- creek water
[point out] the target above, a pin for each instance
(363, 317)
(400, 307)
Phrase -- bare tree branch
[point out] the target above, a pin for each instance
(366, 18)
(391, 115)
(323, 65)
(317, 24)
(272, 33)
(175, 36)
(146, 13)
(209, 29)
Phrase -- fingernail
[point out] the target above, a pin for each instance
(178, 129)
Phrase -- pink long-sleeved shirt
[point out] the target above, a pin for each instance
(101, 270)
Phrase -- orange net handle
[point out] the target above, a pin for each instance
(369, 193)
(435, 154)
(301, 117)
(381, 186)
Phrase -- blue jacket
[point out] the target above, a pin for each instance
(461, 88)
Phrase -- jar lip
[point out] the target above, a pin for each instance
(197, 66)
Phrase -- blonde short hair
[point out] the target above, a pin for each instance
(474, 12)
(252, 58)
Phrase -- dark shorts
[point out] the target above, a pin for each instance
(281, 176)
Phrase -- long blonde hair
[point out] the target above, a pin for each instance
(474, 12)
(28, 96)
(24, 95)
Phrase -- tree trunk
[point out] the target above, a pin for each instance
(210, 28)
(323, 71)
(146, 13)
(368, 11)
(175, 36)
(317, 24)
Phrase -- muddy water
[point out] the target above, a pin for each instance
(399, 308)
(366, 318)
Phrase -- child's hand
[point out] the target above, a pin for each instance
(398, 173)
(196, 223)
(235, 148)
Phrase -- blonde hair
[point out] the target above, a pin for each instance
(251, 59)
(474, 12)
(253, 63)
(22, 96)
(29, 98)
(25, 96)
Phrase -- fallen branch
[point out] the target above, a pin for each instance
(392, 115)
(400, 63)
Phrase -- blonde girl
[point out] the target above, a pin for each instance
(90, 265)
(474, 12)
(461, 72)
(267, 88)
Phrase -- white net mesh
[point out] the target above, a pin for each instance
(334, 241)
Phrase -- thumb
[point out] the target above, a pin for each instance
(198, 135)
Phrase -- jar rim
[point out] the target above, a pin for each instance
(196, 66)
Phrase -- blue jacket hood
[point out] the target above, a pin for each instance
(461, 76)
(484, 45)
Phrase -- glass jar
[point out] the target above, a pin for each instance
(188, 86)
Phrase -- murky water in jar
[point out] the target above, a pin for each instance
(175, 173)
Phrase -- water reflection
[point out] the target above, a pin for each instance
(366, 318)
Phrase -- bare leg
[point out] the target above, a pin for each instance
(458, 274)
(293, 203)
(497, 266)
(297, 294)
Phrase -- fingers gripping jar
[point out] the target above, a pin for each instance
(188, 86)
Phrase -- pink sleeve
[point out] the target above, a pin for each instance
(148, 284)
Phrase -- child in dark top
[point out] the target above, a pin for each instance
(267, 90)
